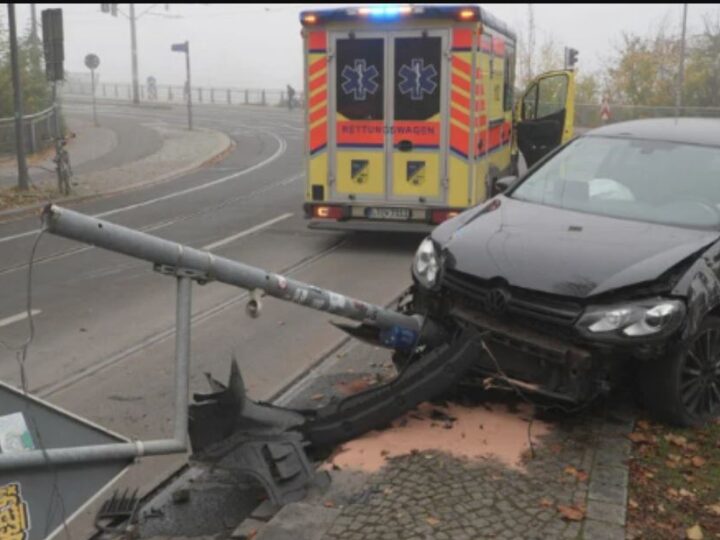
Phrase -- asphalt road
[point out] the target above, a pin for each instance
(104, 341)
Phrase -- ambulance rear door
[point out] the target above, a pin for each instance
(388, 117)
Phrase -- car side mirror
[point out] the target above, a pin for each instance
(502, 184)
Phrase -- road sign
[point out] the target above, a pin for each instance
(92, 61)
(605, 110)
(34, 501)
(179, 47)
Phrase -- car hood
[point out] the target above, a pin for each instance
(563, 252)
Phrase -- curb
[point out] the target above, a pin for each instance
(25, 211)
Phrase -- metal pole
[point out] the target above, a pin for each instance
(133, 45)
(94, 105)
(77, 226)
(121, 451)
(681, 70)
(182, 354)
(189, 84)
(23, 179)
(33, 24)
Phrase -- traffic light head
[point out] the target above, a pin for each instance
(113, 10)
(571, 57)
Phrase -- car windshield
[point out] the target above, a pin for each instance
(656, 181)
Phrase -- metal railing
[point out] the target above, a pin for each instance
(176, 94)
(588, 115)
(38, 128)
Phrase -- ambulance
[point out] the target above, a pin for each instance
(410, 115)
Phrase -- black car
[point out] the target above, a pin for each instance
(602, 262)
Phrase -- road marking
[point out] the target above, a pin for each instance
(247, 232)
(17, 318)
(282, 146)
(162, 224)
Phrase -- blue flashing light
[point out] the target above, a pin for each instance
(398, 338)
(385, 11)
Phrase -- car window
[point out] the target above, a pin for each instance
(647, 180)
(552, 92)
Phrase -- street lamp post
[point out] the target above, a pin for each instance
(185, 47)
(681, 70)
(133, 43)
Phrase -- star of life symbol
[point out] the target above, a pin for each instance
(417, 79)
(360, 80)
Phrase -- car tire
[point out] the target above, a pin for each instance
(683, 387)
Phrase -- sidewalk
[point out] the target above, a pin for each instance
(463, 470)
(121, 155)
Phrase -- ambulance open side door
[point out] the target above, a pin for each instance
(545, 115)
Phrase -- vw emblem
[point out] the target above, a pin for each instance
(497, 301)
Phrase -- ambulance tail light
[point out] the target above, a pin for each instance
(438, 216)
(328, 212)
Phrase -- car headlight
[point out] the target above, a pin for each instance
(426, 265)
(639, 319)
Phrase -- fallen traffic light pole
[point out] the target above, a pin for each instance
(228, 429)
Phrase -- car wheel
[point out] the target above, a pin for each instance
(683, 388)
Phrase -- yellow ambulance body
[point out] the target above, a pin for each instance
(409, 114)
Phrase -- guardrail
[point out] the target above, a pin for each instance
(176, 94)
(38, 129)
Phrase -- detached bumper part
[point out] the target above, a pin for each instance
(269, 443)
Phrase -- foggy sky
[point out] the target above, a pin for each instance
(254, 46)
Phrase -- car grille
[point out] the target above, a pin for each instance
(535, 309)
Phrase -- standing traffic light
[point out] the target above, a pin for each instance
(571, 57)
(52, 28)
(109, 8)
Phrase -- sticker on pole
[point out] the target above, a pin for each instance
(14, 434)
(14, 513)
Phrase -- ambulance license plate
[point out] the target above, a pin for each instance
(400, 214)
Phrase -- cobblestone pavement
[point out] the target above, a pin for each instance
(581, 463)
(431, 495)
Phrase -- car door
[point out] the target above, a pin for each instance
(545, 115)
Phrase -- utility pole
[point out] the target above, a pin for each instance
(23, 179)
(33, 27)
(35, 55)
(681, 70)
(133, 45)
(185, 47)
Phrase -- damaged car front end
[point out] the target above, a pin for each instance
(599, 268)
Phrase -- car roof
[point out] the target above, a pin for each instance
(704, 131)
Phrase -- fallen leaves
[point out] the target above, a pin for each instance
(713, 509)
(571, 513)
(355, 386)
(641, 438)
(698, 461)
(545, 502)
(432, 521)
(317, 397)
(694, 533)
(581, 476)
(677, 440)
